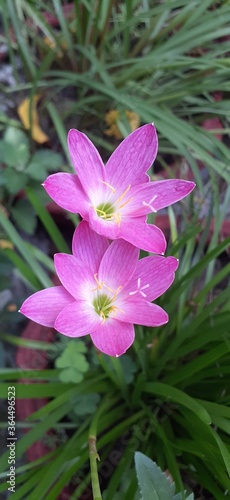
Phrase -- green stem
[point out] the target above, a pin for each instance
(93, 456)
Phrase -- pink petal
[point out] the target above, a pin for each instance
(133, 157)
(140, 312)
(145, 236)
(77, 319)
(118, 264)
(113, 337)
(88, 246)
(44, 306)
(74, 275)
(109, 229)
(152, 277)
(153, 196)
(86, 161)
(66, 191)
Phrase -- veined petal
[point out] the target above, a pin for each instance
(118, 264)
(66, 190)
(113, 337)
(44, 306)
(77, 319)
(86, 161)
(109, 229)
(140, 312)
(152, 277)
(88, 246)
(145, 236)
(133, 157)
(155, 195)
(74, 275)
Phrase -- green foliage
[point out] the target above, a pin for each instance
(42, 162)
(73, 362)
(24, 216)
(169, 396)
(164, 408)
(86, 404)
(128, 367)
(153, 483)
(161, 60)
(19, 169)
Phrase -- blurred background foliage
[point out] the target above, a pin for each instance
(105, 67)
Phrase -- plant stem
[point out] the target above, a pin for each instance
(93, 455)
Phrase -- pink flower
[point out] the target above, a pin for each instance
(105, 290)
(115, 199)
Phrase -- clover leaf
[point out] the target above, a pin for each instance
(86, 404)
(72, 362)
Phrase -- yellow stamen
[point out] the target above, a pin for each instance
(113, 310)
(99, 285)
(103, 317)
(112, 291)
(111, 187)
(117, 218)
(101, 212)
(126, 203)
(122, 195)
(116, 292)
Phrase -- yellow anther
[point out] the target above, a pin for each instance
(112, 291)
(111, 187)
(122, 195)
(99, 285)
(113, 310)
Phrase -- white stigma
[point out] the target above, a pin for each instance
(140, 289)
(149, 204)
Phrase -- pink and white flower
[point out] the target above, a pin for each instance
(115, 199)
(104, 290)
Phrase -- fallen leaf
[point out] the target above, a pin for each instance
(111, 119)
(6, 244)
(52, 45)
(12, 307)
(24, 115)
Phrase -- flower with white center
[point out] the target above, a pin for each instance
(116, 198)
(104, 290)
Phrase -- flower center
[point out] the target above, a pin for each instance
(103, 305)
(105, 210)
(109, 211)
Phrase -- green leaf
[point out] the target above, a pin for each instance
(15, 181)
(19, 144)
(8, 154)
(153, 483)
(73, 362)
(6, 265)
(19, 243)
(129, 367)
(42, 162)
(178, 396)
(47, 220)
(85, 404)
(24, 216)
